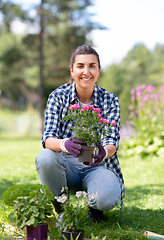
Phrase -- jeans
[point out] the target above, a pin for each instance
(56, 172)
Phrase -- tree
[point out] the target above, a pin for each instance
(63, 25)
(10, 12)
(140, 66)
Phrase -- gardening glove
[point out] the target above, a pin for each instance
(103, 153)
(70, 146)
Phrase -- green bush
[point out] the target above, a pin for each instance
(147, 118)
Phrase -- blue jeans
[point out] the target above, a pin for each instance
(56, 172)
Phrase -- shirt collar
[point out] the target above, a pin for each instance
(97, 100)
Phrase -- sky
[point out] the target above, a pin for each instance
(128, 21)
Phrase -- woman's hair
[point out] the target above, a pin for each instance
(86, 50)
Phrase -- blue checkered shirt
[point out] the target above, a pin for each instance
(57, 107)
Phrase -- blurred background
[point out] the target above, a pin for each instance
(37, 38)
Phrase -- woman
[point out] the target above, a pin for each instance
(57, 164)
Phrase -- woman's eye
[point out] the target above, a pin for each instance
(80, 66)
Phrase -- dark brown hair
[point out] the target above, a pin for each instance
(84, 49)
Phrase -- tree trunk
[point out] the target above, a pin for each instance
(41, 77)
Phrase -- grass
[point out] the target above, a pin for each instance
(144, 200)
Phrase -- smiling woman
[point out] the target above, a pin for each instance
(85, 73)
(57, 164)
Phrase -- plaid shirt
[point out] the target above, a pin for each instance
(57, 107)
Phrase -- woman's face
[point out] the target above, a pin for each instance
(85, 71)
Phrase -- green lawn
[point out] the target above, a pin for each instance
(144, 201)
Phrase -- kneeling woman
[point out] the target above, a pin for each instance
(57, 164)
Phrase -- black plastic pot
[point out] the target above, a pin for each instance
(37, 233)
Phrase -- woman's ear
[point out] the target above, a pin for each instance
(71, 70)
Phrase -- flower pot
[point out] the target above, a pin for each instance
(37, 233)
(86, 154)
(76, 235)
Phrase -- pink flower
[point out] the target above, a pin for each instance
(143, 86)
(103, 120)
(99, 115)
(91, 107)
(74, 106)
(139, 93)
(155, 96)
(97, 110)
(131, 115)
(130, 107)
(85, 108)
(113, 124)
(132, 91)
(132, 98)
(36, 202)
(150, 88)
(145, 98)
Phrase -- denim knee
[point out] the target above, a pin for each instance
(47, 158)
(107, 203)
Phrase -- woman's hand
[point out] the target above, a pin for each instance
(103, 153)
(72, 146)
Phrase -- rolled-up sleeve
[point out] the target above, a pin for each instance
(113, 115)
(52, 118)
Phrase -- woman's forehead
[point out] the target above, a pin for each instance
(86, 59)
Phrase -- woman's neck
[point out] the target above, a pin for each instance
(85, 96)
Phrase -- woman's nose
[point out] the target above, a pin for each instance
(86, 70)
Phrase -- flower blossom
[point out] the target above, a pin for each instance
(90, 107)
(92, 196)
(74, 106)
(85, 194)
(99, 115)
(132, 91)
(78, 194)
(130, 107)
(61, 199)
(150, 88)
(113, 124)
(132, 98)
(85, 108)
(97, 110)
(103, 120)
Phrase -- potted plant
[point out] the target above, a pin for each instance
(32, 208)
(74, 215)
(88, 125)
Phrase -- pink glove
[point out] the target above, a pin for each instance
(103, 153)
(70, 146)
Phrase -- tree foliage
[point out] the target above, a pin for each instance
(140, 66)
(66, 25)
(10, 12)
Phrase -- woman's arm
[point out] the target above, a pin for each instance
(111, 150)
(53, 143)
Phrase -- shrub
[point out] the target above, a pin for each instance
(147, 118)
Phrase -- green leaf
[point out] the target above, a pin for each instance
(31, 221)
